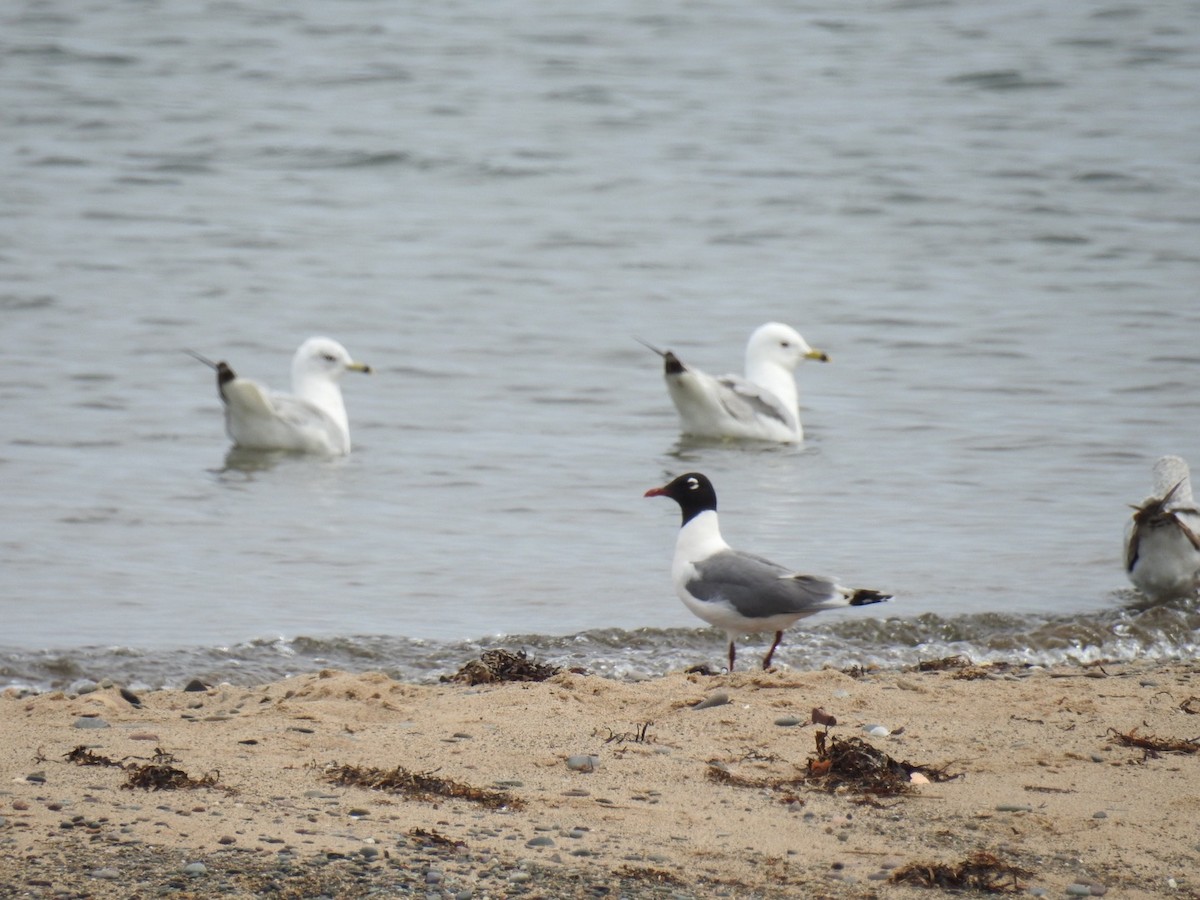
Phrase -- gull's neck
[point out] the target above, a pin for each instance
(700, 537)
(323, 392)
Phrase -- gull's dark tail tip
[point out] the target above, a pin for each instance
(671, 364)
(864, 597)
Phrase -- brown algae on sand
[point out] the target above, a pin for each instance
(419, 786)
(981, 871)
(502, 665)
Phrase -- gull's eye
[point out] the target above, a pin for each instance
(785, 344)
(328, 357)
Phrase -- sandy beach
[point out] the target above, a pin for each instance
(1077, 781)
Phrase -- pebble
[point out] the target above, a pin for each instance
(84, 687)
(434, 876)
(520, 878)
(540, 841)
(195, 869)
(1014, 807)
(106, 874)
(90, 722)
(195, 686)
(1100, 815)
(583, 763)
(787, 721)
(717, 698)
(876, 730)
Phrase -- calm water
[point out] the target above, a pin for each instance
(988, 213)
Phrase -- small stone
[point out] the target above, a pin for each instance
(787, 721)
(195, 869)
(520, 878)
(1079, 890)
(131, 698)
(540, 841)
(32, 778)
(1096, 757)
(1014, 807)
(434, 876)
(717, 698)
(369, 853)
(106, 874)
(876, 730)
(196, 686)
(90, 722)
(359, 813)
(85, 687)
(227, 840)
(1100, 815)
(583, 763)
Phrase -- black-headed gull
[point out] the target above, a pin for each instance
(311, 419)
(739, 592)
(1162, 542)
(764, 405)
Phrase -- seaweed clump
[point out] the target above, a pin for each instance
(855, 765)
(502, 665)
(1152, 746)
(981, 871)
(161, 775)
(419, 786)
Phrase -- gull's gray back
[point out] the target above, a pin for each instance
(758, 588)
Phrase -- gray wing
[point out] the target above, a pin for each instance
(745, 401)
(758, 588)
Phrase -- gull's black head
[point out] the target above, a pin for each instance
(692, 491)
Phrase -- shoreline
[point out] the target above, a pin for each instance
(683, 785)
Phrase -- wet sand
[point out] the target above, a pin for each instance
(680, 801)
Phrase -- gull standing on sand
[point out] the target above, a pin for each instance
(764, 405)
(736, 591)
(311, 419)
(1162, 541)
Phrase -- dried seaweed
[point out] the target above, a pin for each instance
(638, 736)
(160, 775)
(1191, 706)
(981, 871)
(419, 786)
(855, 765)
(1153, 745)
(651, 875)
(502, 665)
(946, 662)
(82, 756)
(434, 838)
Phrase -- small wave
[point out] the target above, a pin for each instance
(1166, 631)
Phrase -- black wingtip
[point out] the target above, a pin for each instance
(864, 597)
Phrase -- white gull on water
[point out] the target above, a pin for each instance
(736, 591)
(312, 419)
(1162, 541)
(765, 405)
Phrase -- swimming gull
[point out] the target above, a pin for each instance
(764, 405)
(1162, 541)
(736, 591)
(311, 419)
